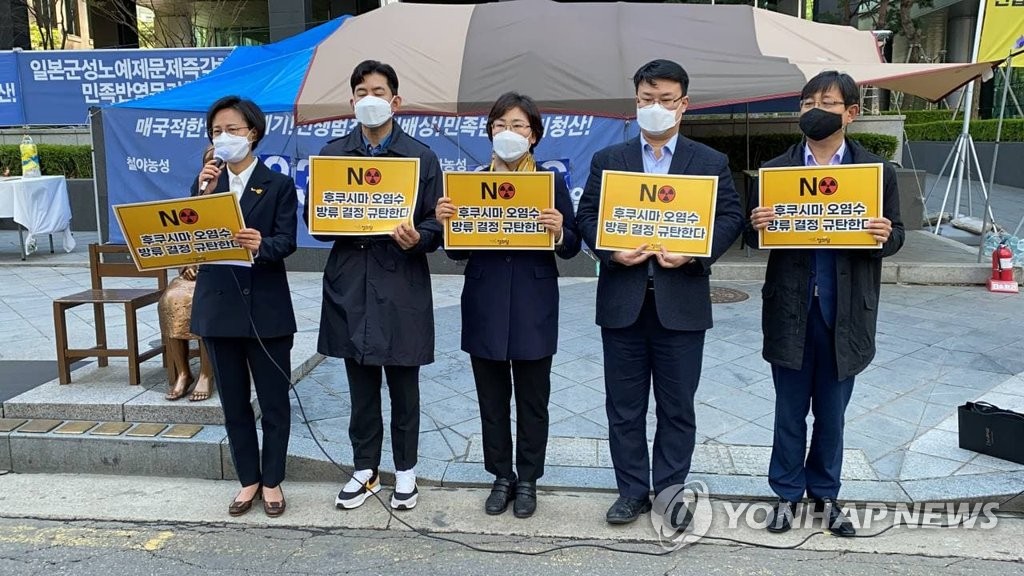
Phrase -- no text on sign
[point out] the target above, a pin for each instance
(821, 206)
(671, 211)
(499, 210)
(362, 196)
(175, 233)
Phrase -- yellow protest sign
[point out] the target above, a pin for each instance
(174, 233)
(361, 196)
(673, 211)
(497, 210)
(821, 206)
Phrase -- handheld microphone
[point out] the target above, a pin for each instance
(218, 162)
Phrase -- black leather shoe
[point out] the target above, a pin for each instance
(502, 492)
(838, 523)
(780, 519)
(526, 499)
(626, 510)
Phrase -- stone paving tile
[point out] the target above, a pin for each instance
(580, 370)
(918, 466)
(941, 444)
(748, 434)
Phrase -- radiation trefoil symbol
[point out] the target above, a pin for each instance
(506, 190)
(666, 194)
(828, 186)
(372, 176)
(188, 216)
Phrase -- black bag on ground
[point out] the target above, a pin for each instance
(992, 430)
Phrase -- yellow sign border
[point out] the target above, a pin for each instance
(711, 221)
(186, 261)
(547, 175)
(311, 206)
(832, 168)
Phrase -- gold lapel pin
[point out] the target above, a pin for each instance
(258, 191)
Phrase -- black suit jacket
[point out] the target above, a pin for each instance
(786, 291)
(683, 294)
(227, 297)
(510, 297)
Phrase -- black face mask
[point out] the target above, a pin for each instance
(818, 124)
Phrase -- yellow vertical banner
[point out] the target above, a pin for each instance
(1002, 31)
(669, 211)
(361, 196)
(498, 210)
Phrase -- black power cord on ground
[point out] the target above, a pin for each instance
(425, 533)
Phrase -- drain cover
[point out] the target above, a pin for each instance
(721, 295)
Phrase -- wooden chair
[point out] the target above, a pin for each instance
(132, 299)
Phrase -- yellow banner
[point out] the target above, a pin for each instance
(175, 233)
(821, 206)
(361, 196)
(498, 210)
(661, 210)
(1002, 31)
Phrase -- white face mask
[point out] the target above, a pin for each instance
(230, 148)
(510, 146)
(372, 111)
(656, 119)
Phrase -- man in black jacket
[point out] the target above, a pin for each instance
(819, 314)
(377, 310)
(654, 307)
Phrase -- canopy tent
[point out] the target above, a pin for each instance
(580, 57)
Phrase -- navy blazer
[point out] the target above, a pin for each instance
(683, 294)
(510, 297)
(226, 296)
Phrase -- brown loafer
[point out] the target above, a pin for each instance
(274, 509)
(239, 507)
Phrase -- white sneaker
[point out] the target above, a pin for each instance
(404, 497)
(363, 484)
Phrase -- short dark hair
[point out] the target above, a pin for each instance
(829, 79)
(254, 117)
(367, 67)
(510, 100)
(661, 70)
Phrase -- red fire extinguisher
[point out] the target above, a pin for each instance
(1002, 263)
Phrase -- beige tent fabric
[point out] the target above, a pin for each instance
(426, 81)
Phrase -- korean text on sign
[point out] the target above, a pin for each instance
(175, 233)
(660, 210)
(360, 195)
(821, 206)
(497, 210)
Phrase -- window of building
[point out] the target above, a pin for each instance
(71, 18)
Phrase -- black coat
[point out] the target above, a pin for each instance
(683, 294)
(377, 304)
(222, 307)
(510, 297)
(786, 291)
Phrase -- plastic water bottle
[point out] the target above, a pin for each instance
(29, 158)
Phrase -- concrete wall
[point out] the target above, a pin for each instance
(929, 156)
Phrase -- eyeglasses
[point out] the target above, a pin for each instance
(826, 103)
(667, 102)
(232, 129)
(501, 126)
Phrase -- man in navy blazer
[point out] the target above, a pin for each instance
(653, 308)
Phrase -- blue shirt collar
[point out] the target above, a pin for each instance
(379, 149)
(837, 158)
(669, 148)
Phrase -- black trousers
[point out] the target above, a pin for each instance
(495, 382)
(634, 357)
(233, 359)
(794, 469)
(366, 425)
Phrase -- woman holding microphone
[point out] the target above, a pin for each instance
(244, 313)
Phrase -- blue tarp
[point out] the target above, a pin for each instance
(269, 75)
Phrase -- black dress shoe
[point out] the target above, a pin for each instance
(780, 519)
(626, 510)
(526, 499)
(838, 523)
(502, 492)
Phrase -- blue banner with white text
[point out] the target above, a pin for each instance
(11, 113)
